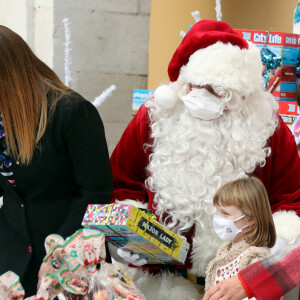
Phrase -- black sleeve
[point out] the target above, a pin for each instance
(86, 144)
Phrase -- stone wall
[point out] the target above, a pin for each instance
(109, 41)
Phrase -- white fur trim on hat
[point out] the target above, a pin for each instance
(287, 225)
(165, 96)
(227, 66)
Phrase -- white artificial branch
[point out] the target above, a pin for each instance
(196, 15)
(182, 33)
(104, 95)
(67, 44)
(218, 10)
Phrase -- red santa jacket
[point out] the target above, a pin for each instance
(280, 175)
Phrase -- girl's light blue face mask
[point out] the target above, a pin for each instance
(203, 105)
(226, 229)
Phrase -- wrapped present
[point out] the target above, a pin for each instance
(76, 271)
(10, 287)
(128, 227)
(74, 263)
(79, 270)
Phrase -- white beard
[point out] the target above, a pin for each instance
(192, 158)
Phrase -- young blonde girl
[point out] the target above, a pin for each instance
(244, 220)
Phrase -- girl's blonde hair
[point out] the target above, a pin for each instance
(250, 196)
(29, 91)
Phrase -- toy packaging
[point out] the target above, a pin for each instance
(128, 227)
(139, 98)
(279, 52)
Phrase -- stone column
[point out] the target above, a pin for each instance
(109, 41)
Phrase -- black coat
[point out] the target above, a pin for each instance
(68, 171)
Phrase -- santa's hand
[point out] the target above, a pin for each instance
(279, 244)
(132, 258)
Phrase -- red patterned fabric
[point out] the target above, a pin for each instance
(273, 276)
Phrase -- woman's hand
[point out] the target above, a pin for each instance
(227, 289)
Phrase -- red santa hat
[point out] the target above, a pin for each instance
(213, 53)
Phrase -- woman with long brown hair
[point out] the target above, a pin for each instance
(53, 158)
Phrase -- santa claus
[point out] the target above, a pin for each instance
(212, 124)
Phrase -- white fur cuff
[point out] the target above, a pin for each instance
(132, 202)
(287, 225)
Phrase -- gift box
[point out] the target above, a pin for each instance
(139, 98)
(279, 52)
(128, 227)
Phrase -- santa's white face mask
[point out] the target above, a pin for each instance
(226, 229)
(203, 105)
